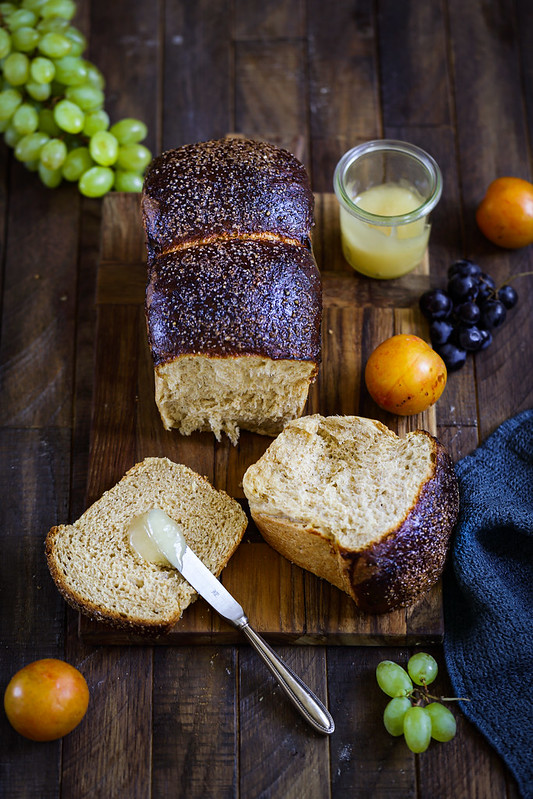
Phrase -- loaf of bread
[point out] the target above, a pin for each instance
(99, 573)
(349, 500)
(233, 300)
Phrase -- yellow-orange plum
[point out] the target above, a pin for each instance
(404, 375)
(46, 699)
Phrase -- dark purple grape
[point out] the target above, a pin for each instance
(463, 268)
(453, 356)
(508, 296)
(463, 288)
(487, 287)
(435, 304)
(440, 331)
(468, 312)
(486, 336)
(493, 314)
(470, 338)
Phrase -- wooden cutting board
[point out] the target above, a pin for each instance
(282, 601)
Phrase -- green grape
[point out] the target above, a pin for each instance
(134, 158)
(129, 131)
(25, 39)
(47, 122)
(21, 18)
(422, 668)
(394, 714)
(11, 136)
(96, 182)
(32, 166)
(6, 9)
(53, 25)
(95, 121)
(39, 91)
(76, 163)
(77, 40)
(4, 124)
(50, 177)
(54, 45)
(10, 99)
(128, 181)
(393, 679)
(88, 97)
(58, 8)
(417, 729)
(443, 726)
(17, 68)
(94, 76)
(25, 119)
(5, 43)
(33, 5)
(53, 154)
(69, 116)
(29, 147)
(70, 70)
(42, 70)
(103, 148)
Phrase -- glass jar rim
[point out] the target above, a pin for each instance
(391, 145)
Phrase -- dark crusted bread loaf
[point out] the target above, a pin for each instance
(347, 499)
(233, 301)
(227, 187)
(99, 573)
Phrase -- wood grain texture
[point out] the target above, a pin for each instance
(284, 603)
(455, 78)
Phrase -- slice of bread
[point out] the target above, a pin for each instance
(347, 499)
(100, 574)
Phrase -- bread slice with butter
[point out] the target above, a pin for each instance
(100, 573)
(347, 499)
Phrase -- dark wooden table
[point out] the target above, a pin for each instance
(456, 78)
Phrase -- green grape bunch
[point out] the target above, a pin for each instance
(412, 711)
(52, 104)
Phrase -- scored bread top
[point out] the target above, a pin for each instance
(235, 297)
(100, 574)
(225, 187)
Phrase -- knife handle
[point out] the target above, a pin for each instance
(300, 695)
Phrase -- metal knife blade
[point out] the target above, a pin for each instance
(208, 586)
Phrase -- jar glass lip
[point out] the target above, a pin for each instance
(390, 145)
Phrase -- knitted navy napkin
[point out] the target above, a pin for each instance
(488, 594)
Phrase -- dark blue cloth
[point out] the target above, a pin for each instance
(488, 594)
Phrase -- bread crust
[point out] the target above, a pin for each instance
(225, 187)
(393, 572)
(235, 297)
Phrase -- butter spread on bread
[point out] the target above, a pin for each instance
(347, 499)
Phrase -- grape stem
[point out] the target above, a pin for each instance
(419, 695)
(509, 280)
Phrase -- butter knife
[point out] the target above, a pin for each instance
(211, 589)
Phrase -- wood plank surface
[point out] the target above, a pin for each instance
(209, 721)
(284, 603)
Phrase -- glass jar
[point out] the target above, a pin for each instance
(386, 190)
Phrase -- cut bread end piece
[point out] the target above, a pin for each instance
(347, 499)
(227, 394)
(99, 573)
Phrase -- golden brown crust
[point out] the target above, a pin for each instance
(396, 570)
(235, 298)
(227, 187)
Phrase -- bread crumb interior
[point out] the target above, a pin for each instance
(351, 478)
(225, 394)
